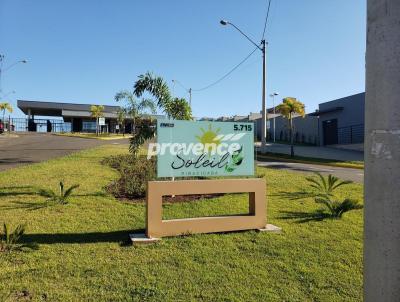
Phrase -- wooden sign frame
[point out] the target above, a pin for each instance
(156, 227)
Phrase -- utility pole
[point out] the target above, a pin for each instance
(1, 70)
(262, 47)
(264, 114)
(382, 153)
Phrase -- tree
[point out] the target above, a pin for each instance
(146, 130)
(175, 108)
(121, 114)
(155, 86)
(179, 109)
(135, 108)
(97, 112)
(3, 107)
(289, 108)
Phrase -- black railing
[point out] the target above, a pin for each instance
(299, 137)
(39, 125)
(353, 134)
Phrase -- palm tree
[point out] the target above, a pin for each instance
(154, 85)
(175, 108)
(10, 240)
(62, 196)
(97, 112)
(289, 108)
(158, 89)
(3, 107)
(135, 108)
(324, 195)
(121, 115)
(179, 109)
(326, 187)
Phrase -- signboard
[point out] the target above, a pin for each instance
(268, 124)
(189, 148)
(116, 127)
(102, 121)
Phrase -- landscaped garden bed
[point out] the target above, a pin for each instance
(134, 173)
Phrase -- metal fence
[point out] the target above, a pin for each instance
(299, 137)
(39, 125)
(19, 124)
(351, 134)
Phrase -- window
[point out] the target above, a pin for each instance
(89, 126)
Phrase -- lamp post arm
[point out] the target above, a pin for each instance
(246, 36)
(10, 66)
(2, 70)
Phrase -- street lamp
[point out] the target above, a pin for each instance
(273, 95)
(15, 63)
(261, 47)
(2, 70)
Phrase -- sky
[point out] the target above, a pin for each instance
(87, 51)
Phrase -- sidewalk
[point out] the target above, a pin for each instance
(315, 151)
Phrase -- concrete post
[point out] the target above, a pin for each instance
(382, 153)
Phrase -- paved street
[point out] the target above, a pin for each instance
(356, 175)
(316, 152)
(30, 148)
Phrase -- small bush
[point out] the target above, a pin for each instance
(324, 195)
(9, 240)
(134, 174)
(325, 187)
(135, 171)
(61, 197)
(338, 208)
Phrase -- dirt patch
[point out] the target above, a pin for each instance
(23, 295)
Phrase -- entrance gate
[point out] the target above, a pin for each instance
(39, 125)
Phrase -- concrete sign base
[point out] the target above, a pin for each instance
(141, 238)
(270, 228)
(156, 227)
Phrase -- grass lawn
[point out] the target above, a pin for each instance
(82, 253)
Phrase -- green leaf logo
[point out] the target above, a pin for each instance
(236, 160)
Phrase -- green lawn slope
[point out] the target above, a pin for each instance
(82, 253)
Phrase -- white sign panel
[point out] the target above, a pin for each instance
(102, 121)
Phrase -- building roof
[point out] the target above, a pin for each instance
(350, 98)
(321, 112)
(60, 109)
